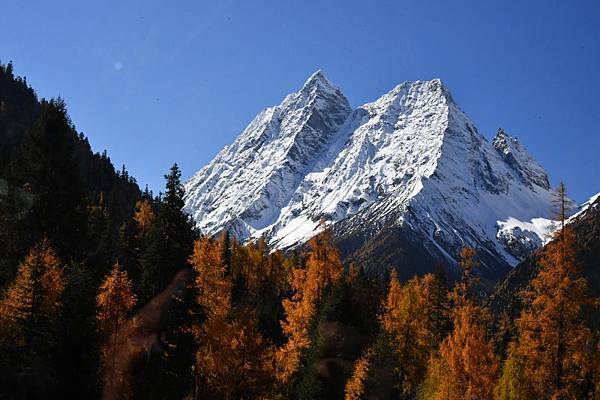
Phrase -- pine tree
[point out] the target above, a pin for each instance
(169, 242)
(46, 163)
(553, 342)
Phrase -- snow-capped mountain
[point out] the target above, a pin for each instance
(411, 163)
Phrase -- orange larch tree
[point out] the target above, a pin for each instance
(232, 357)
(323, 268)
(33, 301)
(114, 303)
(413, 322)
(466, 367)
(553, 342)
(355, 386)
(143, 216)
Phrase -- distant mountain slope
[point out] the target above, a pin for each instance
(586, 224)
(404, 179)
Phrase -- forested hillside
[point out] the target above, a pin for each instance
(110, 292)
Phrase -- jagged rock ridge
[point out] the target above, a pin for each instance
(411, 162)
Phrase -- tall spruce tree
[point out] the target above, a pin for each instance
(170, 239)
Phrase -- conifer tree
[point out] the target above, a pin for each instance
(170, 239)
(46, 165)
(232, 357)
(143, 216)
(30, 320)
(356, 385)
(225, 247)
(323, 268)
(553, 345)
(466, 367)
(33, 301)
(413, 322)
(115, 301)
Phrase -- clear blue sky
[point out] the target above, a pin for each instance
(155, 82)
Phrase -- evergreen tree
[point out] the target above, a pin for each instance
(46, 166)
(169, 241)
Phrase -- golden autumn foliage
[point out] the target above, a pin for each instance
(323, 268)
(553, 342)
(513, 384)
(214, 290)
(33, 300)
(413, 319)
(114, 303)
(466, 367)
(143, 215)
(259, 273)
(468, 362)
(468, 264)
(355, 386)
(232, 356)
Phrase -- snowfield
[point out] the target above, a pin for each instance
(411, 157)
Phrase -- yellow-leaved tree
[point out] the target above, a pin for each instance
(232, 357)
(414, 320)
(323, 268)
(466, 367)
(552, 355)
(355, 386)
(114, 303)
(143, 216)
(32, 302)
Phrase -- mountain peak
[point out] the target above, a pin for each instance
(318, 80)
(411, 160)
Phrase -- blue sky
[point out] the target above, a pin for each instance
(155, 82)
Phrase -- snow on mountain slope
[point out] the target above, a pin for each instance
(520, 238)
(411, 158)
(248, 183)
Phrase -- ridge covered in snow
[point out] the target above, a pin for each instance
(411, 158)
